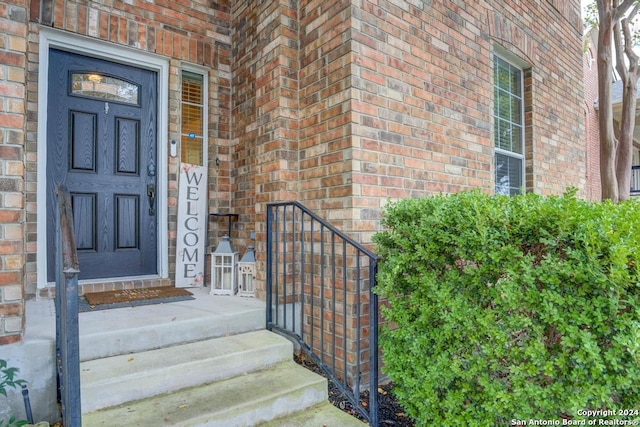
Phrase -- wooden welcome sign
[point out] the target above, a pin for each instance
(192, 220)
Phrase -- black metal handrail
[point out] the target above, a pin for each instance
(67, 338)
(635, 179)
(320, 292)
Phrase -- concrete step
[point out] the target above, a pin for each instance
(322, 415)
(119, 379)
(245, 400)
(107, 333)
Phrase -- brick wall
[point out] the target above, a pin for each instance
(245, 51)
(396, 100)
(422, 104)
(592, 130)
(327, 144)
(265, 115)
(13, 57)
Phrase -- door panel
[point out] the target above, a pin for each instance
(84, 220)
(127, 208)
(101, 143)
(83, 141)
(127, 143)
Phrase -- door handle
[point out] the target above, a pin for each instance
(151, 194)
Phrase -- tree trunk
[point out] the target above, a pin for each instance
(629, 70)
(624, 160)
(608, 143)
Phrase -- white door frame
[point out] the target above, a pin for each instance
(50, 38)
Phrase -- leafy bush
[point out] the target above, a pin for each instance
(510, 308)
(8, 380)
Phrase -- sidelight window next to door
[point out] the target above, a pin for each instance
(192, 129)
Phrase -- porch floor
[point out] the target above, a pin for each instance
(205, 312)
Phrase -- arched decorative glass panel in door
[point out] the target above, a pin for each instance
(101, 86)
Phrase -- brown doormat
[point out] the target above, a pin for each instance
(132, 295)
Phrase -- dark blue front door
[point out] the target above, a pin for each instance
(101, 143)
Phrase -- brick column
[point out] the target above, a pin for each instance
(266, 112)
(13, 46)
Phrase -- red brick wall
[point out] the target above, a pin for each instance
(265, 115)
(396, 100)
(592, 130)
(245, 53)
(326, 110)
(13, 86)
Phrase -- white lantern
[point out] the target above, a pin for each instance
(223, 269)
(247, 272)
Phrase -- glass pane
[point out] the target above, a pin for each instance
(192, 138)
(516, 81)
(508, 175)
(226, 277)
(191, 150)
(191, 88)
(218, 278)
(505, 79)
(504, 110)
(516, 110)
(95, 85)
(516, 139)
(192, 119)
(504, 135)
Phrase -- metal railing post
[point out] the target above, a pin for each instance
(373, 344)
(269, 260)
(635, 179)
(66, 301)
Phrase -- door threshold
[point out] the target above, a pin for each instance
(110, 284)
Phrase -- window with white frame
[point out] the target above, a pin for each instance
(508, 126)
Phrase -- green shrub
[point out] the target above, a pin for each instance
(9, 380)
(510, 308)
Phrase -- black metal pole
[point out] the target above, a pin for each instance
(27, 404)
(269, 261)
